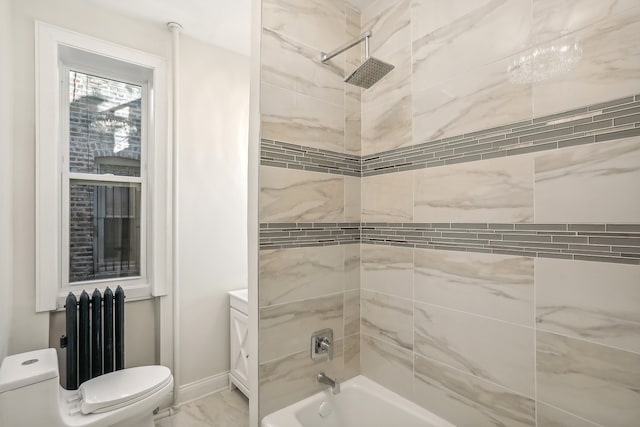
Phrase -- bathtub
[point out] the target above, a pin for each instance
(361, 402)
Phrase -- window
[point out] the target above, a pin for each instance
(105, 148)
(103, 162)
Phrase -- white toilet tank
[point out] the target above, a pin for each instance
(29, 389)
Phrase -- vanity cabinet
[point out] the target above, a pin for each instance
(239, 328)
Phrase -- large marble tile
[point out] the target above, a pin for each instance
(316, 23)
(498, 190)
(463, 35)
(480, 99)
(292, 378)
(353, 30)
(386, 120)
(387, 365)
(164, 422)
(466, 400)
(352, 196)
(351, 312)
(500, 352)
(288, 195)
(292, 65)
(352, 267)
(352, 119)
(352, 94)
(386, 107)
(352, 132)
(554, 18)
(388, 198)
(228, 408)
(498, 286)
(597, 302)
(300, 119)
(548, 416)
(287, 328)
(388, 269)
(351, 356)
(390, 23)
(595, 382)
(387, 318)
(300, 273)
(607, 70)
(568, 183)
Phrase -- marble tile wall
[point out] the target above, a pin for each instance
(303, 290)
(490, 342)
(462, 54)
(388, 198)
(596, 382)
(467, 400)
(488, 337)
(560, 194)
(581, 300)
(477, 335)
(498, 286)
(609, 64)
(353, 94)
(386, 107)
(460, 340)
(310, 124)
(499, 189)
(303, 100)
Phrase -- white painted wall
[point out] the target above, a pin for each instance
(214, 115)
(213, 179)
(6, 177)
(30, 330)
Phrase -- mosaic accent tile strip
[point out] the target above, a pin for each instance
(607, 121)
(616, 243)
(291, 156)
(596, 123)
(298, 235)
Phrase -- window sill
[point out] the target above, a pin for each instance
(132, 292)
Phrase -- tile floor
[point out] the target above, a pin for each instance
(229, 408)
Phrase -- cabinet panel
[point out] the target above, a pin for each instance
(239, 351)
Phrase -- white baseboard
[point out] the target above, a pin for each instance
(202, 388)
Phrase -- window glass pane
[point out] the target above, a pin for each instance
(104, 125)
(104, 231)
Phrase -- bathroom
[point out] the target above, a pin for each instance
(468, 227)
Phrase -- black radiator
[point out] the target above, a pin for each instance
(94, 335)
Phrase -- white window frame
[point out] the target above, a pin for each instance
(57, 50)
(89, 178)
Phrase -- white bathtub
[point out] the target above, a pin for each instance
(361, 402)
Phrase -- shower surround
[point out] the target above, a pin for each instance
(475, 242)
(308, 288)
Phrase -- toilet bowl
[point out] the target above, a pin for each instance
(30, 394)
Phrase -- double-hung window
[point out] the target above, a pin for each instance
(104, 184)
(103, 162)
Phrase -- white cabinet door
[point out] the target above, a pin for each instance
(239, 355)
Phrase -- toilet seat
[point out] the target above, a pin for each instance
(121, 388)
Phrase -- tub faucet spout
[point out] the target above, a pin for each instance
(325, 379)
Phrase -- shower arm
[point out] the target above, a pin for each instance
(324, 57)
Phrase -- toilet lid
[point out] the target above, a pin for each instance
(115, 389)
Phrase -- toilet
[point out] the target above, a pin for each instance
(30, 394)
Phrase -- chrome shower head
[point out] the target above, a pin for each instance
(368, 73)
